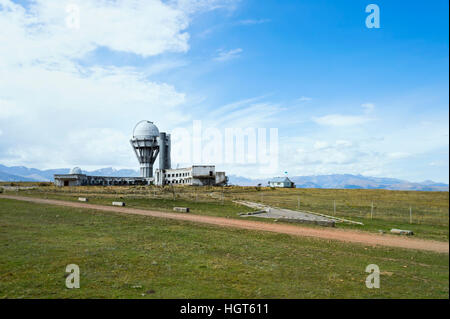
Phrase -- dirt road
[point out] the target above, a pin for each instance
(323, 233)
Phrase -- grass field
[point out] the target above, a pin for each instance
(124, 256)
(391, 209)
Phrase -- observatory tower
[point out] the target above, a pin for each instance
(147, 143)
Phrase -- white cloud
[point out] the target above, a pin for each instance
(228, 55)
(307, 156)
(318, 145)
(440, 163)
(193, 6)
(252, 112)
(75, 114)
(324, 155)
(304, 99)
(9, 109)
(41, 34)
(398, 155)
(341, 120)
(343, 143)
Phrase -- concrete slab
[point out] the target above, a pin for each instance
(265, 211)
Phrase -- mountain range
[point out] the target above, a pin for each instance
(347, 181)
(25, 174)
(343, 181)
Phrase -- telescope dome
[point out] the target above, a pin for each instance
(145, 129)
(76, 170)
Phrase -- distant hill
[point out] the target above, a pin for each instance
(343, 181)
(14, 178)
(22, 173)
(113, 172)
(347, 181)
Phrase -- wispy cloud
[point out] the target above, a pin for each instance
(251, 112)
(304, 99)
(253, 21)
(346, 120)
(398, 155)
(341, 120)
(228, 55)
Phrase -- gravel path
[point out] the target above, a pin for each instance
(323, 233)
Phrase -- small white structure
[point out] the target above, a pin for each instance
(121, 204)
(76, 171)
(281, 182)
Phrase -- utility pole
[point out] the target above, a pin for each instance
(298, 202)
(334, 208)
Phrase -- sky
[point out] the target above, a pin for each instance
(76, 76)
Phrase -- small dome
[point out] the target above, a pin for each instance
(76, 170)
(145, 129)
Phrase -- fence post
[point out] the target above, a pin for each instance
(334, 208)
(298, 202)
(410, 215)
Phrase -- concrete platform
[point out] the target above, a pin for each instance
(285, 214)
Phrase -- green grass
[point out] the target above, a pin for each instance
(391, 208)
(173, 259)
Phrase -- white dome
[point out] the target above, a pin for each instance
(145, 129)
(76, 170)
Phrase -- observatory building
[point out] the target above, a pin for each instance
(147, 143)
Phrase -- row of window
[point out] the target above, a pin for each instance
(178, 174)
(180, 181)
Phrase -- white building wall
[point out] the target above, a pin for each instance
(203, 170)
(197, 175)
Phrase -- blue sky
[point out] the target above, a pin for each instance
(345, 98)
